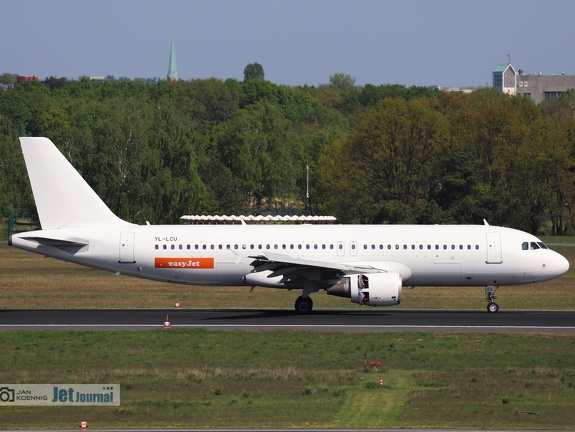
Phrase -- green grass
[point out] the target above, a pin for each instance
(287, 379)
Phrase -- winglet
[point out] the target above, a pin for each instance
(63, 198)
(485, 222)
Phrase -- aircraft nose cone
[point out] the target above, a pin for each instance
(562, 265)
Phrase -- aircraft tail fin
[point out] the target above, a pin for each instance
(63, 198)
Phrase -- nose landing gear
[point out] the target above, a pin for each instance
(492, 307)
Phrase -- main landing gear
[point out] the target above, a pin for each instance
(492, 307)
(303, 305)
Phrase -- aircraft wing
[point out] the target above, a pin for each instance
(282, 261)
(272, 269)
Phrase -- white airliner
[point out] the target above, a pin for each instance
(367, 263)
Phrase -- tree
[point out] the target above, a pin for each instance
(383, 171)
(253, 71)
(256, 149)
(342, 81)
(8, 78)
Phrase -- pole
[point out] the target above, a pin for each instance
(307, 187)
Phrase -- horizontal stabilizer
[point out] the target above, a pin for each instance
(59, 243)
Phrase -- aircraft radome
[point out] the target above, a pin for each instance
(368, 264)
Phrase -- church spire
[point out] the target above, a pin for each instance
(173, 67)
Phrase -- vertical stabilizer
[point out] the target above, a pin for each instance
(63, 198)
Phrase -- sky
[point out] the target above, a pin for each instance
(447, 43)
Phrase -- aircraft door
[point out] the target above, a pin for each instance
(494, 248)
(127, 247)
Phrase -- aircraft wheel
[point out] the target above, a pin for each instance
(492, 307)
(303, 305)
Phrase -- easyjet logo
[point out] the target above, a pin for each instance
(185, 263)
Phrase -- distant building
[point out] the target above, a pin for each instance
(538, 87)
(505, 79)
(27, 78)
(173, 67)
(541, 87)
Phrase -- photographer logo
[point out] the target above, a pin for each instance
(60, 394)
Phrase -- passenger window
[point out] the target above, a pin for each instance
(157, 247)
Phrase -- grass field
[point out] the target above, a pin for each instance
(284, 379)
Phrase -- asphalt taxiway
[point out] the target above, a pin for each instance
(274, 319)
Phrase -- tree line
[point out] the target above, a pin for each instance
(378, 154)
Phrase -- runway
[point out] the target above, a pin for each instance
(320, 320)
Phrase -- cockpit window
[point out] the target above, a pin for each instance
(533, 245)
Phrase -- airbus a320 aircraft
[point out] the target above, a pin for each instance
(367, 263)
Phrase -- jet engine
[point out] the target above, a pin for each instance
(375, 289)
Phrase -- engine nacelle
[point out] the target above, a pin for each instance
(376, 289)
